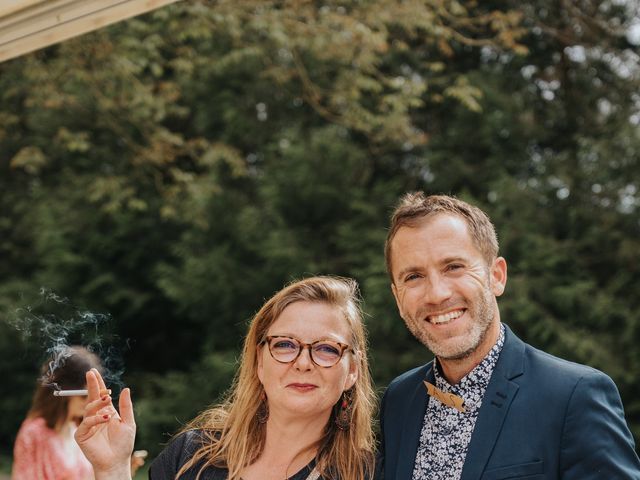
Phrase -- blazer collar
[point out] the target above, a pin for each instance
(495, 405)
(413, 426)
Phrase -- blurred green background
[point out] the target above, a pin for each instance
(172, 171)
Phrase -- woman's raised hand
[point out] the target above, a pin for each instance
(106, 437)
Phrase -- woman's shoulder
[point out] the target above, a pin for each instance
(187, 443)
(35, 445)
(178, 452)
(35, 428)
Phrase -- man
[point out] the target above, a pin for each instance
(489, 406)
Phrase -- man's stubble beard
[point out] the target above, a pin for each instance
(481, 312)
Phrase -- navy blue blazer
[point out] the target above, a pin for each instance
(541, 418)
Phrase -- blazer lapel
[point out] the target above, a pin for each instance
(495, 405)
(412, 427)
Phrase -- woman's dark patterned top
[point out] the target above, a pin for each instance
(181, 449)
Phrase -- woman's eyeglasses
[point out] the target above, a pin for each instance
(324, 353)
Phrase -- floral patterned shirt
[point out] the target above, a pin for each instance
(446, 432)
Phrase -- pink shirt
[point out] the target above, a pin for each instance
(40, 453)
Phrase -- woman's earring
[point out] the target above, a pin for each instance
(344, 410)
(263, 410)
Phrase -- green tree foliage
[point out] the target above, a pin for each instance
(553, 158)
(175, 170)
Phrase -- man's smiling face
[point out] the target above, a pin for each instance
(444, 288)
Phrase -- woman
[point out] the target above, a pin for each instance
(45, 448)
(300, 406)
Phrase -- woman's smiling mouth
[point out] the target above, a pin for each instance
(302, 387)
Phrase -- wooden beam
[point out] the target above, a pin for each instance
(28, 25)
(11, 6)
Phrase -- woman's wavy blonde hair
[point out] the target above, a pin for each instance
(233, 436)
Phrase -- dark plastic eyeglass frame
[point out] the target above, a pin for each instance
(301, 346)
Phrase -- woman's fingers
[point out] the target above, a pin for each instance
(136, 462)
(84, 431)
(104, 406)
(108, 410)
(126, 407)
(93, 407)
(100, 380)
(93, 385)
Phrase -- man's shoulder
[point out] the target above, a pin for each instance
(556, 371)
(543, 359)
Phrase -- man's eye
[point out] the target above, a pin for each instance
(411, 276)
(454, 266)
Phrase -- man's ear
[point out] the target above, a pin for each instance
(498, 276)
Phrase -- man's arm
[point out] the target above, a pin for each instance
(596, 442)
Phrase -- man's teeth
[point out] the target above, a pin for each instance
(445, 317)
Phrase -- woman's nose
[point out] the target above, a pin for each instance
(304, 362)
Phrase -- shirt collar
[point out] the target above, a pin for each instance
(477, 379)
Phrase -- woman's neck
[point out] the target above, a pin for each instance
(285, 429)
(64, 428)
(289, 446)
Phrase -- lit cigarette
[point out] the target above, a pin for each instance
(77, 393)
(70, 393)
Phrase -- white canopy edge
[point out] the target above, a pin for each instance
(28, 25)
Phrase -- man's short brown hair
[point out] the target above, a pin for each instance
(414, 207)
